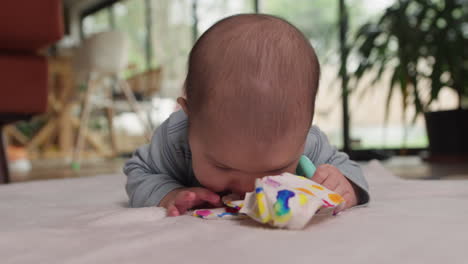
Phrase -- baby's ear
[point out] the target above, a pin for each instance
(183, 103)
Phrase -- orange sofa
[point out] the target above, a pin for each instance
(25, 28)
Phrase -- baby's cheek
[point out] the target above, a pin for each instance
(218, 185)
(242, 185)
(212, 180)
(249, 185)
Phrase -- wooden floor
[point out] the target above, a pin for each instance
(416, 168)
(404, 167)
(58, 169)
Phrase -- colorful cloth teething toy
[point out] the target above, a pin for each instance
(284, 201)
(289, 201)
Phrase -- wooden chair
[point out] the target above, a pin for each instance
(103, 55)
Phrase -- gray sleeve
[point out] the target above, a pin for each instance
(319, 151)
(153, 171)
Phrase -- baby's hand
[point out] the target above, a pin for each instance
(330, 177)
(179, 201)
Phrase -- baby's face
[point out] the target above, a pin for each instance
(223, 163)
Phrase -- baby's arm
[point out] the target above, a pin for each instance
(157, 176)
(148, 179)
(154, 169)
(322, 154)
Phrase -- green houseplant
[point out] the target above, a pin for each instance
(424, 45)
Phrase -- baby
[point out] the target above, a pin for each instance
(250, 99)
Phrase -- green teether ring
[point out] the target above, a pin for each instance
(305, 167)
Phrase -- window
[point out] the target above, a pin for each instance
(318, 21)
(368, 128)
(127, 17)
(130, 19)
(172, 35)
(97, 22)
(211, 11)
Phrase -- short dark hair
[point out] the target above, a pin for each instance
(255, 63)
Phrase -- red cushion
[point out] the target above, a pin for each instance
(23, 85)
(29, 25)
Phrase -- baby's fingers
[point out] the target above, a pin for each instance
(341, 189)
(350, 200)
(205, 195)
(172, 211)
(321, 174)
(331, 183)
(184, 201)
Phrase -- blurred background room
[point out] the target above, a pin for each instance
(85, 82)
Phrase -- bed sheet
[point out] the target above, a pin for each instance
(86, 220)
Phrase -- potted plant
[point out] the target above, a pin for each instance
(424, 45)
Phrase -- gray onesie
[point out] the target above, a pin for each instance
(166, 163)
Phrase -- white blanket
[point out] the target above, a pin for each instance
(84, 220)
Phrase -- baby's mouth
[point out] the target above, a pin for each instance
(224, 193)
(241, 196)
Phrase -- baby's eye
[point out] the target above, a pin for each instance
(223, 168)
(278, 171)
(274, 172)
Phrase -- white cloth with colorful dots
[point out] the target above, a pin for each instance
(283, 201)
(230, 211)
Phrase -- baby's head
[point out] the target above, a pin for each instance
(250, 93)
